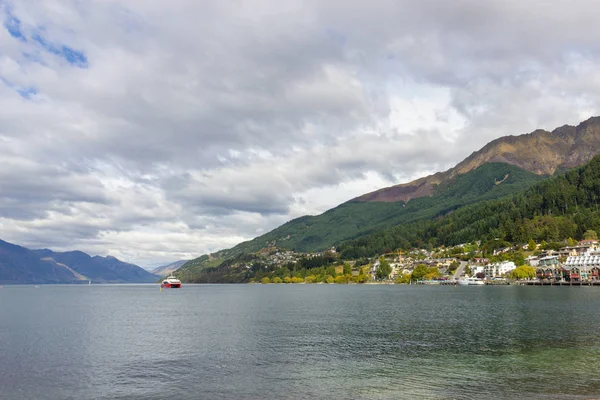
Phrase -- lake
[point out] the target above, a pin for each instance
(299, 342)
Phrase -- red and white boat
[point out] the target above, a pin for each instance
(171, 282)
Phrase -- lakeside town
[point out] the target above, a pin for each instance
(570, 262)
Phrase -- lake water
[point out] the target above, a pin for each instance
(299, 342)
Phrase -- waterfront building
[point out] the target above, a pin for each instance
(552, 272)
(584, 267)
(476, 269)
(548, 261)
(498, 270)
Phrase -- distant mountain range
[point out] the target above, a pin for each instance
(504, 167)
(165, 270)
(19, 265)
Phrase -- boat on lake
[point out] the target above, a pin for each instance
(471, 281)
(170, 282)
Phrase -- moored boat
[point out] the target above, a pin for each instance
(170, 282)
(471, 281)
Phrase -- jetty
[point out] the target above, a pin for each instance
(559, 283)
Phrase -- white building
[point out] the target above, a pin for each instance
(497, 270)
(475, 269)
(532, 260)
(588, 264)
(373, 269)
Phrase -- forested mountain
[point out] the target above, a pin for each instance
(355, 219)
(562, 207)
(20, 265)
(404, 215)
(552, 210)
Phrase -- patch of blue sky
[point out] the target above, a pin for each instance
(13, 25)
(25, 92)
(72, 56)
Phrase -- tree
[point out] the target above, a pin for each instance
(523, 272)
(590, 235)
(432, 273)
(571, 242)
(453, 266)
(347, 269)
(265, 280)
(384, 270)
(419, 272)
(277, 280)
(331, 271)
(531, 246)
(362, 278)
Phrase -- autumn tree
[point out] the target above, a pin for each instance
(419, 272)
(523, 272)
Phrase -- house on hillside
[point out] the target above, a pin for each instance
(532, 260)
(569, 251)
(397, 269)
(373, 269)
(549, 261)
(501, 250)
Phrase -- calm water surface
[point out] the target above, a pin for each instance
(299, 341)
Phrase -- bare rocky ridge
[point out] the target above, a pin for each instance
(540, 152)
(165, 270)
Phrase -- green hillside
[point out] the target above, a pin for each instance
(563, 207)
(355, 219)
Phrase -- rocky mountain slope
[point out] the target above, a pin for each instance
(540, 152)
(165, 270)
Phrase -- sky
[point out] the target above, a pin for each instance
(155, 131)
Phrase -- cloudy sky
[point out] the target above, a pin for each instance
(155, 131)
